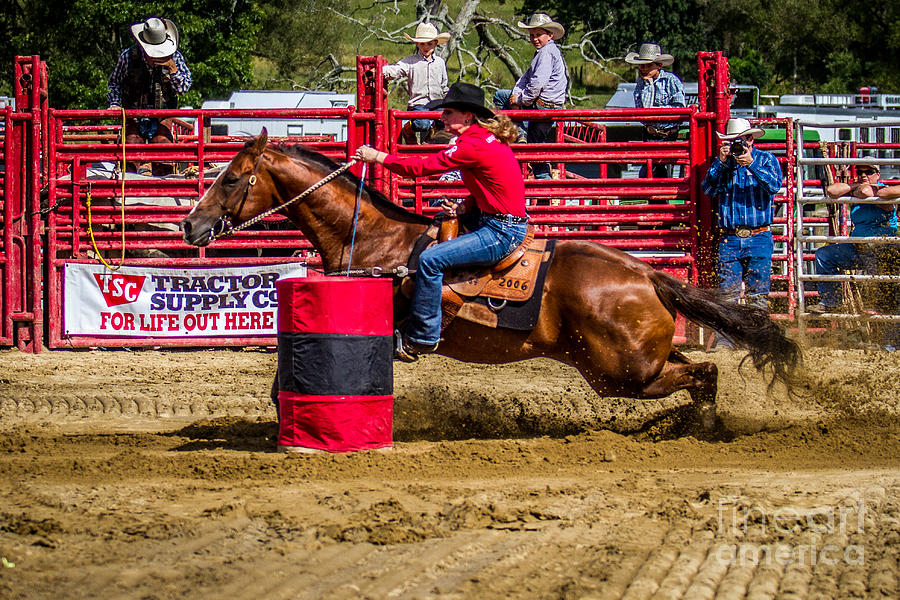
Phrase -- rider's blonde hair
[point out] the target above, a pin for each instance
(502, 127)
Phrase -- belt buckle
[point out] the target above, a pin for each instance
(743, 232)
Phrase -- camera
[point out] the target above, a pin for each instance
(737, 148)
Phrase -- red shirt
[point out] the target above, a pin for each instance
(488, 167)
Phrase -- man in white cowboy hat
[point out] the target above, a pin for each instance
(656, 87)
(744, 180)
(426, 76)
(150, 74)
(543, 85)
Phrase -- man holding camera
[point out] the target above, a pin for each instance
(744, 181)
(150, 75)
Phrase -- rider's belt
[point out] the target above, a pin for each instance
(511, 219)
(745, 232)
(545, 104)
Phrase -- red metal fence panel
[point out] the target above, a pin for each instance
(21, 259)
(87, 194)
(597, 193)
(10, 269)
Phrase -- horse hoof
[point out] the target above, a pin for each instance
(705, 414)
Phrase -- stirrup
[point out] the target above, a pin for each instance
(407, 350)
(400, 353)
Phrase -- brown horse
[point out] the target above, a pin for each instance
(609, 315)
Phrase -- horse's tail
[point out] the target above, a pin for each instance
(747, 326)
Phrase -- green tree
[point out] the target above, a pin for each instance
(291, 51)
(621, 25)
(780, 45)
(800, 46)
(81, 41)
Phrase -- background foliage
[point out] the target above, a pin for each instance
(82, 39)
(783, 46)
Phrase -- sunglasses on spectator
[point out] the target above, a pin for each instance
(865, 171)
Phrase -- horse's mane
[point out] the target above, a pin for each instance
(307, 155)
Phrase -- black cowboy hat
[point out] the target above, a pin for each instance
(464, 96)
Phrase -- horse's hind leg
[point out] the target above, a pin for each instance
(699, 379)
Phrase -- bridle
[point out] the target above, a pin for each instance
(224, 227)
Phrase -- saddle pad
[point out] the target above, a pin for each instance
(516, 283)
(519, 316)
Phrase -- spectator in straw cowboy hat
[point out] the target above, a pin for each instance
(744, 180)
(656, 87)
(426, 76)
(543, 85)
(150, 74)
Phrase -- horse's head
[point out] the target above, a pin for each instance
(233, 198)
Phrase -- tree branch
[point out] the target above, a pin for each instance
(491, 44)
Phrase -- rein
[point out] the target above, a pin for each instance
(223, 226)
(356, 216)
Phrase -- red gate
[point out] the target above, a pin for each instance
(20, 255)
(88, 222)
(665, 221)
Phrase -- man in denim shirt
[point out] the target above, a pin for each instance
(869, 220)
(656, 87)
(744, 185)
(542, 86)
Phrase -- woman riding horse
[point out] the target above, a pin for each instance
(604, 312)
(492, 174)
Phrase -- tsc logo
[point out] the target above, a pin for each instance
(119, 289)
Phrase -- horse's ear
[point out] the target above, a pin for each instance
(258, 144)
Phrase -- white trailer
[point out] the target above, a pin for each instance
(280, 127)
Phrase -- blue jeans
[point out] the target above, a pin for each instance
(537, 131)
(831, 260)
(747, 260)
(420, 124)
(487, 245)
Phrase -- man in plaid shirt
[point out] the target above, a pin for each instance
(150, 75)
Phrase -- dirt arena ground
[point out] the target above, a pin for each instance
(153, 475)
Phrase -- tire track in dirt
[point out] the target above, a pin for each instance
(503, 486)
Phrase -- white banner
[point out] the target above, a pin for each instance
(167, 302)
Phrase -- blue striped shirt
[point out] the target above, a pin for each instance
(746, 194)
(665, 91)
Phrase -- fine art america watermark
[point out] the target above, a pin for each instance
(827, 528)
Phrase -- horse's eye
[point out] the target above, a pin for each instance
(230, 181)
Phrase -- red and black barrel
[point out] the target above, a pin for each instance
(335, 370)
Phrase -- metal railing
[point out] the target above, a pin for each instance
(804, 235)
